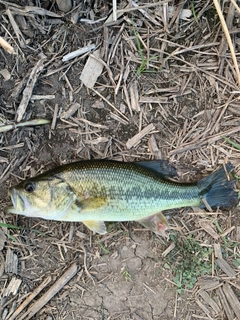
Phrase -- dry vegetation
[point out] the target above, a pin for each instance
(148, 81)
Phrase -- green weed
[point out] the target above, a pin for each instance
(144, 61)
(190, 260)
(103, 248)
(12, 226)
(234, 144)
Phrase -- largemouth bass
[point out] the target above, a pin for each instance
(95, 191)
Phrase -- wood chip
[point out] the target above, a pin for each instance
(208, 283)
(72, 109)
(204, 308)
(206, 297)
(5, 73)
(238, 234)
(43, 97)
(226, 232)
(147, 99)
(6, 46)
(13, 286)
(78, 52)
(92, 70)
(2, 239)
(133, 89)
(135, 139)
(225, 267)
(208, 228)
(232, 299)
(225, 305)
(29, 88)
(2, 264)
(217, 250)
(169, 249)
(11, 263)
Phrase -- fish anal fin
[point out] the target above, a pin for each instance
(157, 223)
(96, 226)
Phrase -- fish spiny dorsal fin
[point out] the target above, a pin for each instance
(163, 167)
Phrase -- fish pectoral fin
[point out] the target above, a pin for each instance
(90, 203)
(96, 226)
(157, 223)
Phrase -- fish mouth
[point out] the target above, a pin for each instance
(20, 202)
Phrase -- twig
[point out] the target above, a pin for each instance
(6, 46)
(110, 104)
(85, 264)
(35, 122)
(54, 289)
(30, 298)
(229, 40)
(29, 88)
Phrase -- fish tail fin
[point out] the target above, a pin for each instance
(218, 189)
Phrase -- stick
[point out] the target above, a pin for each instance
(30, 298)
(6, 46)
(27, 93)
(229, 40)
(55, 288)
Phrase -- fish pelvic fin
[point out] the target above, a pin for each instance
(157, 223)
(218, 189)
(96, 226)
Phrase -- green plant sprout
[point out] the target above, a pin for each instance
(126, 275)
(144, 61)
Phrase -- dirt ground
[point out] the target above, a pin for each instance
(168, 70)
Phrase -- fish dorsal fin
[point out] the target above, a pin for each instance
(96, 226)
(162, 167)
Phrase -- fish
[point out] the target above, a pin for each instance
(96, 191)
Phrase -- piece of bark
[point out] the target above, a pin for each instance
(135, 139)
(92, 70)
(225, 305)
(147, 99)
(11, 263)
(217, 250)
(225, 267)
(13, 286)
(208, 228)
(232, 299)
(206, 297)
(72, 109)
(134, 96)
(27, 93)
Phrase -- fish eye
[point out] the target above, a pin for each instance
(30, 187)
